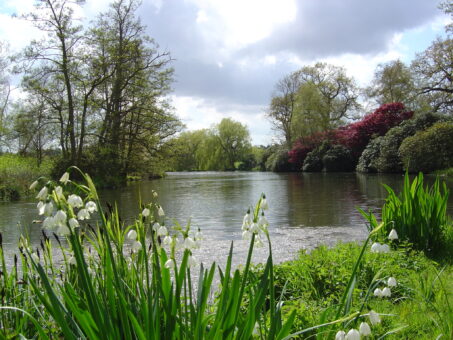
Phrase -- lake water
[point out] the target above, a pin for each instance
(305, 209)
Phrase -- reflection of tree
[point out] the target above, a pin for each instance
(321, 199)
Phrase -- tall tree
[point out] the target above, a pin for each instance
(393, 82)
(434, 68)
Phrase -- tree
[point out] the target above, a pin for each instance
(5, 89)
(326, 96)
(393, 82)
(434, 68)
(282, 106)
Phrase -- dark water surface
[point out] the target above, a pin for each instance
(305, 209)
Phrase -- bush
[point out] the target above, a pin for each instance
(278, 161)
(313, 161)
(429, 150)
(338, 158)
(381, 154)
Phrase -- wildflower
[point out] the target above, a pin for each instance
(48, 223)
(264, 204)
(374, 317)
(393, 235)
(378, 292)
(83, 214)
(170, 264)
(34, 257)
(65, 178)
(162, 231)
(136, 246)
(254, 228)
(391, 282)
(246, 235)
(189, 243)
(192, 261)
(73, 223)
(63, 230)
(156, 226)
(353, 334)
(386, 292)
(262, 222)
(385, 248)
(132, 235)
(375, 247)
(33, 185)
(168, 240)
(72, 261)
(145, 212)
(59, 192)
(155, 194)
(48, 209)
(42, 195)
(365, 329)
(41, 207)
(340, 335)
(60, 218)
(258, 242)
(91, 207)
(160, 212)
(75, 201)
(199, 235)
(247, 221)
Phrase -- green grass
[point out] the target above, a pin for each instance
(445, 172)
(17, 173)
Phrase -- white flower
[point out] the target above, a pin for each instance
(91, 207)
(374, 318)
(42, 195)
(262, 222)
(34, 257)
(246, 235)
(136, 246)
(353, 334)
(156, 226)
(199, 235)
(247, 221)
(189, 243)
(254, 228)
(41, 207)
(393, 235)
(73, 223)
(386, 292)
(75, 201)
(146, 212)
(60, 218)
(72, 261)
(378, 292)
(264, 204)
(365, 329)
(162, 231)
(63, 230)
(168, 240)
(170, 264)
(391, 282)
(385, 248)
(33, 185)
(48, 223)
(340, 335)
(375, 247)
(160, 211)
(59, 192)
(258, 242)
(83, 214)
(155, 194)
(192, 261)
(48, 209)
(65, 178)
(132, 235)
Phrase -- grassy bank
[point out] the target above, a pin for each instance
(446, 172)
(16, 174)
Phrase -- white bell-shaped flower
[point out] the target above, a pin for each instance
(374, 317)
(386, 292)
(91, 207)
(391, 282)
(33, 185)
(132, 235)
(83, 214)
(340, 335)
(160, 212)
(364, 329)
(353, 334)
(75, 201)
(41, 207)
(73, 223)
(393, 235)
(64, 178)
(162, 231)
(48, 209)
(378, 292)
(42, 195)
(146, 212)
(169, 264)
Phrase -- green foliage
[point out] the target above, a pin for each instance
(429, 150)
(17, 173)
(418, 214)
(313, 161)
(338, 158)
(367, 160)
(278, 160)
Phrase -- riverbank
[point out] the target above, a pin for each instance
(16, 174)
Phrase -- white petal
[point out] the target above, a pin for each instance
(146, 212)
(391, 282)
(64, 178)
(386, 292)
(393, 235)
(132, 235)
(365, 329)
(374, 318)
(340, 335)
(353, 334)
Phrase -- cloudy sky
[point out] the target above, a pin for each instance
(230, 53)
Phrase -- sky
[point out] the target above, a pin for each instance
(229, 54)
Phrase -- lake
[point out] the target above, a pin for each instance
(305, 209)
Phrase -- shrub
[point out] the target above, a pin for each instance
(429, 150)
(278, 161)
(304, 145)
(383, 155)
(313, 161)
(338, 158)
